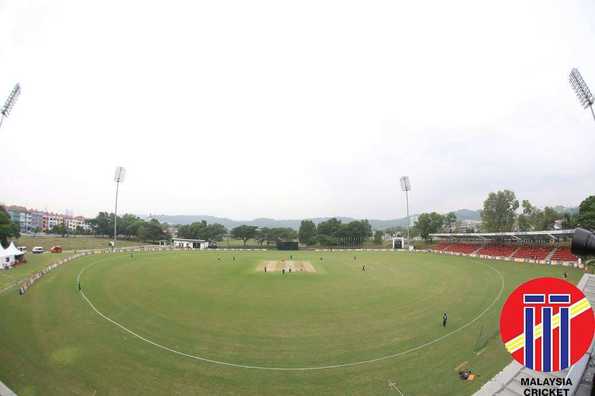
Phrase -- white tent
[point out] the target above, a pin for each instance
(8, 255)
(6, 259)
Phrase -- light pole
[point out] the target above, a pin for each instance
(581, 89)
(10, 101)
(118, 178)
(406, 186)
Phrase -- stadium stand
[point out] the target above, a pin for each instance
(535, 246)
(466, 248)
(441, 246)
(497, 250)
(533, 252)
(564, 254)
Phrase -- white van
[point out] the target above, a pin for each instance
(37, 249)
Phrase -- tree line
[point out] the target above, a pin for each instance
(328, 233)
(499, 214)
(129, 226)
(333, 232)
(502, 212)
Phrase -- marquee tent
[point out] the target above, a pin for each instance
(9, 256)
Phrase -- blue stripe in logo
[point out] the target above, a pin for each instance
(559, 298)
(533, 298)
(529, 337)
(564, 338)
(546, 339)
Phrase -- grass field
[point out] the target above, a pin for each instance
(35, 263)
(206, 305)
(70, 243)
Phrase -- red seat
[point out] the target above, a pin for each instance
(497, 250)
(465, 248)
(441, 246)
(564, 254)
(533, 252)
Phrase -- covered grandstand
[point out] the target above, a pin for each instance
(551, 247)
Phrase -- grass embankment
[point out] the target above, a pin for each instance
(70, 243)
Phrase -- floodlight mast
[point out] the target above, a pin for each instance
(406, 186)
(118, 178)
(9, 104)
(584, 95)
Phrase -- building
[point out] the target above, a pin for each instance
(31, 220)
(74, 223)
(190, 243)
(51, 220)
(21, 216)
(36, 221)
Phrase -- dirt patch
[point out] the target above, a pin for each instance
(279, 265)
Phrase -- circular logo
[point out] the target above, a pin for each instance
(547, 324)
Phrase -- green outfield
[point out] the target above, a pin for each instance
(203, 323)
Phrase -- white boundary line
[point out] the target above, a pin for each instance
(332, 366)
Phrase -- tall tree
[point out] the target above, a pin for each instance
(499, 211)
(202, 230)
(355, 232)
(244, 232)
(586, 213)
(307, 232)
(429, 223)
(262, 235)
(103, 223)
(60, 229)
(525, 220)
(184, 231)
(126, 225)
(569, 220)
(450, 221)
(328, 232)
(7, 228)
(215, 232)
(284, 234)
(152, 231)
(378, 236)
(549, 218)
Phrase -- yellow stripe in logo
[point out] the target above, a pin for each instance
(518, 342)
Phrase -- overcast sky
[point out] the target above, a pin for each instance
(282, 109)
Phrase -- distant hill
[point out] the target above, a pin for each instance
(462, 214)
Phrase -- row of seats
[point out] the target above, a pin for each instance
(564, 254)
(466, 248)
(497, 250)
(533, 252)
(441, 246)
(522, 252)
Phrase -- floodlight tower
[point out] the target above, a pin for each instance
(406, 186)
(118, 178)
(10, 101)
(581, 89)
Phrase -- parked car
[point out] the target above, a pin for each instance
(22, 249)
(37, 250)
(56, 249)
